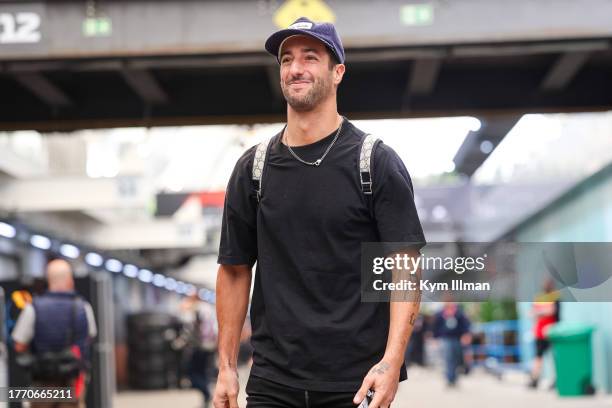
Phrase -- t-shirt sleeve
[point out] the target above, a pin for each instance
(24, 328)
(394, 208)
(92, 328)
(238, 244)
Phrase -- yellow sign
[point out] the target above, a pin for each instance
(291, 10)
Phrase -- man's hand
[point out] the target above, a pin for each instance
(466, 339)
(383, 379)
(226, 391)
(20, 347)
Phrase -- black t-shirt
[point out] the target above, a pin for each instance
(310, 328)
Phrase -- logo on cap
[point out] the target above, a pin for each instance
(302, 25)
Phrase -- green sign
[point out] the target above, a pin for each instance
(97, 27)
(417, 14)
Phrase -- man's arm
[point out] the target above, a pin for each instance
(24, 329)
(404, 310)
(92, 328)
(383, 378)
(233, 288)
(403, 316)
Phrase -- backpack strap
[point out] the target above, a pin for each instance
(368, 145)
(259, 163)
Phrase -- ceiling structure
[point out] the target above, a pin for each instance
(84, 64)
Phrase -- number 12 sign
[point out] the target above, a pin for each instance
(19, 28)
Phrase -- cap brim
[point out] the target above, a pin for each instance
(274, 42)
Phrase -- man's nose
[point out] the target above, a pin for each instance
(296, 68)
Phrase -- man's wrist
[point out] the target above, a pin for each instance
(395, 363)
(228, 364)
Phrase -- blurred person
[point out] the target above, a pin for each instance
(199, 336)
(16, 302)
(545, 310)
(19, 299)
(187, 338)
(415, 352)
(245, 352)
(202, 367)
(452, 327)
(314, 342)
(57, 327)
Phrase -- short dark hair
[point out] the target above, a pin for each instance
(333, 60)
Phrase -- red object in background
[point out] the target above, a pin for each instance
(546, 310)
(211, 198)
(79, 382)
(541, 324)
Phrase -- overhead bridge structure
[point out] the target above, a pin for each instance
(71, 64)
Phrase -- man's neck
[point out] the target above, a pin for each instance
(61, 289)
(309, 127)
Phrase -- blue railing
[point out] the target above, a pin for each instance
(500, 349)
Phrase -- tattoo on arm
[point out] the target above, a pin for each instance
(412, 319)
(413, 294)
(381, 368)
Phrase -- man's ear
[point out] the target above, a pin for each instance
(339, 70)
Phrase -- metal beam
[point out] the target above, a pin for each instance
(44, 89)
(472, 153)
(153, 234)
(15, 166)
(209, 27)
(563, 71)
(67, 225)
(423, 76)
(75, 194)
(145, 85)
(353, 55)
(499, 50)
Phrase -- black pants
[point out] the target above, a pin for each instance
(541, 346)
(265, 393)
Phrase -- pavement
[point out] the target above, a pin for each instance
(425, 388)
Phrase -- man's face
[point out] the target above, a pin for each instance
(307, 77)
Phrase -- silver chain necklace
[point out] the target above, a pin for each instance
(320, 159)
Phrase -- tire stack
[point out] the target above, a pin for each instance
(152, 362)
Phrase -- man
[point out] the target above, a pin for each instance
(453, 328)
(315, 344)
(56, 320)
(201, 332)
(415, 352)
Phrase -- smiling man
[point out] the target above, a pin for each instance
(300, 205)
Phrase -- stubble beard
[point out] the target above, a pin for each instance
(321, 88)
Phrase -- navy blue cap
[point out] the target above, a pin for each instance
(324, 32)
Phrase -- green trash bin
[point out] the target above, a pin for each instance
(573, 359)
